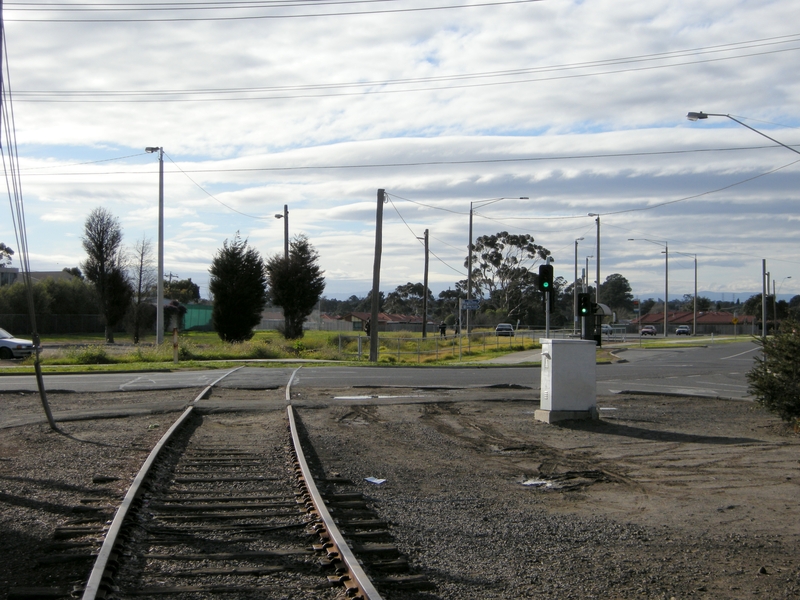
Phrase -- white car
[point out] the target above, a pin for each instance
(11, 347)
(606, 329)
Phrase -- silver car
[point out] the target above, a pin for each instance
(11, 347)
(504, 329)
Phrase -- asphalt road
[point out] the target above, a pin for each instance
(713, 371)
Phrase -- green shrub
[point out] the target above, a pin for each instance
(775, 379)
(89, 355)
(264, 350)
(185, 352)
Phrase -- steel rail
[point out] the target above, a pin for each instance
(289, 385)
(95, 582)
(356, 573)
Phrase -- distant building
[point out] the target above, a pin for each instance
(718, 322)
(10, 275)
(388, 322)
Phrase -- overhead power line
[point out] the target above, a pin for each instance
(418, 84)
(226, 8)
(410, 164)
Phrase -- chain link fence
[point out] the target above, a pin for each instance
(53, 324)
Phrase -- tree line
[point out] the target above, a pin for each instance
(505, 280)
(120, 284)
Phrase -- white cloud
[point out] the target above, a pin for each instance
(556, 116)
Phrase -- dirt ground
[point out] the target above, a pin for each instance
(663, 497)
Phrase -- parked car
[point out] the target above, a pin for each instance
(683, 330)
(504, 329)
(606, 329)
(11, 347)
(648, 330)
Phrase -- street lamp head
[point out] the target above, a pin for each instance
(278, 216)
(152, 149)
(593, 215)
(578, 240)
(694, 116)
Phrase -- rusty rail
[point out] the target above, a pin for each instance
(95, 583)
(356, 582)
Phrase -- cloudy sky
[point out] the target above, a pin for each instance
(579, 106)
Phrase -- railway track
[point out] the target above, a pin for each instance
(225, 505)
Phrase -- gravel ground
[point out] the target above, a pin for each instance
(662, 498)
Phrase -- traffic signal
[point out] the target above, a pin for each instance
(546, 278)
(584, 305)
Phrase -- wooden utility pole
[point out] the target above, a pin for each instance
(425, 292)
(764, 288)
(376, 279)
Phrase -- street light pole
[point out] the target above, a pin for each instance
(160, 282)
(694, 116)
(775, 296)
(774, 308)
(469, 245)
(597, 258)
(285, 217)
(694, 319)
(767, 297)
(666, 277)
(575, 291)
(585, 321)
(586, 274)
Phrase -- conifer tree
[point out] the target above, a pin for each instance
(296, 284)
(238, 286)
(775, 380)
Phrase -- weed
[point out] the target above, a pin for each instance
(89, 355)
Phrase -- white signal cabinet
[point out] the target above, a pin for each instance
(569, 380)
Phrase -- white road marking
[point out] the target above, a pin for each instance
(741, 353)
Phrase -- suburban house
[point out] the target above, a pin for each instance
(388, 322)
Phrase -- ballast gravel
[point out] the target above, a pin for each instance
(661, 498)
